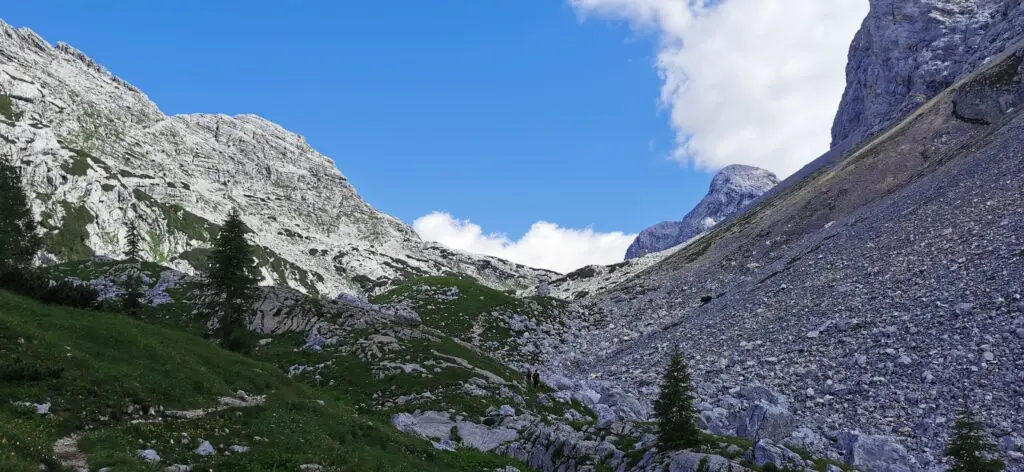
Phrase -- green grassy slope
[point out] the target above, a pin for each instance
(101, 371)
(475, 313)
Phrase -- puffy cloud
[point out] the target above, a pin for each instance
(546, 245)
(747, 81)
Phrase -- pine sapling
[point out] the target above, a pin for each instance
(674, 410)
(969, 449)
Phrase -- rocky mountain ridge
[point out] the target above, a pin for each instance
(871, 294)
(906, 52)
(849, 311)
(95, 152)
(732, 189)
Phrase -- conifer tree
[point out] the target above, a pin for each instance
(132, 301)
(19, 241)
(673, 409)
(133, 241)
(969, 449)
(231, 284)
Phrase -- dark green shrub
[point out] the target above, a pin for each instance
(970, 449)
(18, 370)
(31, 283)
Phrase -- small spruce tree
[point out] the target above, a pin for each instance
(673, 409)
(231, 285)
(133, 242)
(969, 449)
(19, 241)
(132, 300)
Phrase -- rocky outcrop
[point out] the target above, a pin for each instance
(95, 152)
(749, 412)
(697, 462)
(732, 189)
(876, 293)
(430, 424)
(875, 453)
(907, 51)
(551, 447)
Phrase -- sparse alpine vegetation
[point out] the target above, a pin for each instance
(265, 318)
(117, 385)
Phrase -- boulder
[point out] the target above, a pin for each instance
(429, 424)
(557, 381)
(149, 455)
(482, 438)
(715, 420)
(767, 452)
(444, 445)
(696, 462)
(764, 419)
(874, 453)
(805, 438)
(205, 449)
(625, 405)
(605, 416)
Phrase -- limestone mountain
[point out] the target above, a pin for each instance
(841, 318)
(95, 151)
(732, 189)
(907, 51)
(871, 294)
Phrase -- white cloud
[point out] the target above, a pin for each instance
(748, 81)
(546, 245)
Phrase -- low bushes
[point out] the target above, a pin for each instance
(31, 283)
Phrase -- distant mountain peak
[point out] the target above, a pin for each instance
(732, 189)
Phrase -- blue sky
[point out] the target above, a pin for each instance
(504, 113)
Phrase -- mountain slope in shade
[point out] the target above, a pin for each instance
(732, 189)
(95, 151)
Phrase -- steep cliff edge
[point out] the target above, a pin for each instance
(907, 51)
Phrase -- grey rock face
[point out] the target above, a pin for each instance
(767, 452)
(907, 51)
(483, 438)
(430, 424)
(875, 453)
(95, 152)
(732, 189)
(697, 462)
(900, 259)
(768, 418)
